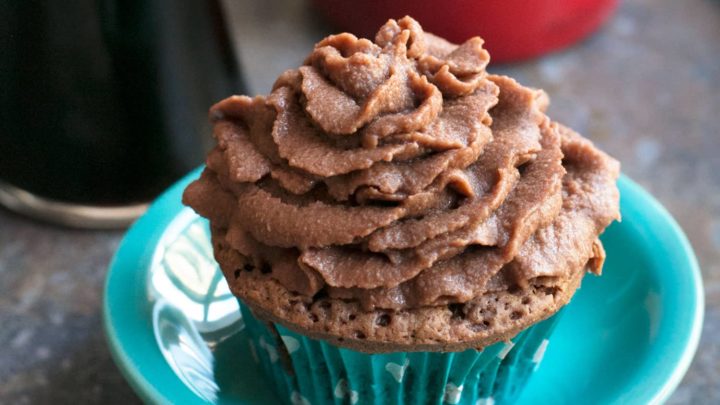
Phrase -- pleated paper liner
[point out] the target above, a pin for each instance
(307, 371)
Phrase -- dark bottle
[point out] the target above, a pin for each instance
(104, 102)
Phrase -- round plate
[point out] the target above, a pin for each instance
(626, 337)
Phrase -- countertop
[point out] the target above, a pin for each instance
(645, 88)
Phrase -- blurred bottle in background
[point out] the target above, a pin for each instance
(103, 103)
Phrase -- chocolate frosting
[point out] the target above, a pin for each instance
(398, 174)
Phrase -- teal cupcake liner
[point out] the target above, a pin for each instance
(308, 371)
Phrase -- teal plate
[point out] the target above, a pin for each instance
(627, 337)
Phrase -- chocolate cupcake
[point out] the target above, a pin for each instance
(398, 224)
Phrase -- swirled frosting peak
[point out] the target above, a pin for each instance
(398, 175)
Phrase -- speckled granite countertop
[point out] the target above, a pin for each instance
(646, 88)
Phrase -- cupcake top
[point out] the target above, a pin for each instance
(391, 195)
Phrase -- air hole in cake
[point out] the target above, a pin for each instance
(548, 290)
(237, 273)
(515, 290)
(320, 295)
(457, 311)
(478, 249)
(352, 317)
(384, 203)
(523, 167)
(457, 200)
(265, 268)
(515, 315)
(248, 267)
(359, 335)
(526, 300)
(383, 320)
(568, 162)
(314, 318)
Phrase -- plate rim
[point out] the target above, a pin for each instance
(664, 217)
(151, 226)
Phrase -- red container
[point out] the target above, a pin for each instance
(512, 29)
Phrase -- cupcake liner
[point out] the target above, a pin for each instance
(308, 371)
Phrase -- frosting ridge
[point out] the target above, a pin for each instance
(398, 174)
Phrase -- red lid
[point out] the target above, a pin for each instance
(512, 29)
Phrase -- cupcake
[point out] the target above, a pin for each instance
(399, 225)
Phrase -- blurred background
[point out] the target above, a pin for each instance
(641, 78)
